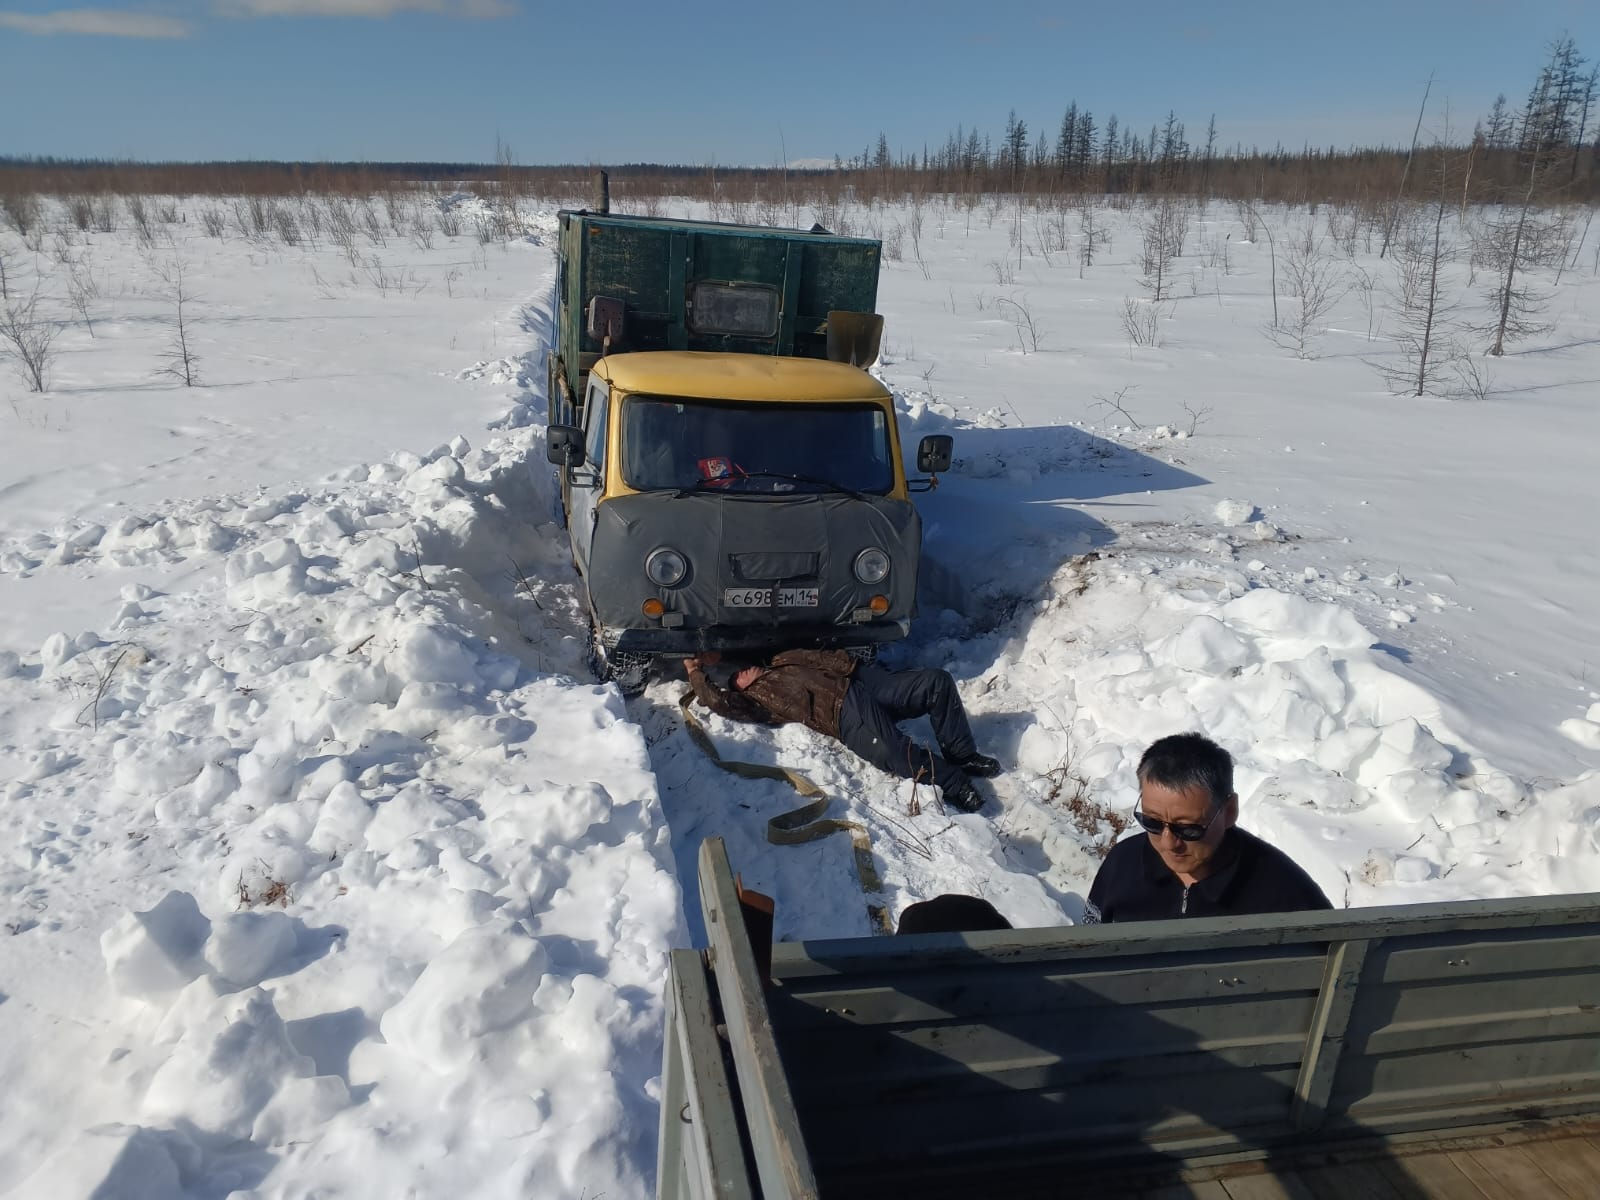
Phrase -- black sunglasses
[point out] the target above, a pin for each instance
(1184, 831)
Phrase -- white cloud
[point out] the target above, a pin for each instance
(479, 9)
(99, 21)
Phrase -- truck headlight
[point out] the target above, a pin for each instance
(666, 567)
(872, 566)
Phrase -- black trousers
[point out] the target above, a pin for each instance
(878, 698)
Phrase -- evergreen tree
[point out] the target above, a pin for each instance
(1067, 141)
(1083, 155)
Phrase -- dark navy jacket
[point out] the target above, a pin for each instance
(1133, 884)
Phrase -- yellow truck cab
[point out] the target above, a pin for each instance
(730, 498)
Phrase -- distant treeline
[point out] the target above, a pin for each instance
(1310, 176)
(1551, 141)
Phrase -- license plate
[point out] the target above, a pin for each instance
(758, 597)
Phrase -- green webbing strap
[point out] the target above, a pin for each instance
(803, 824)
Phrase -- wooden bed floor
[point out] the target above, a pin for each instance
(1500, 1168)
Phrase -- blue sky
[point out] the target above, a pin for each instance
(702, 81)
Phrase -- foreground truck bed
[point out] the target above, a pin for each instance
(1378, 1052)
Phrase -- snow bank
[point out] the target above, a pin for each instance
(409, 889)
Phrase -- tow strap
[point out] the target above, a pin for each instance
(803, 824)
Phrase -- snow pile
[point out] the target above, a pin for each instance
(409, 892)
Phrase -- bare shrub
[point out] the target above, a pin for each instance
(258, 216)
(139, 211)
(182, 362)
(1247, 217)
(80, 210)
(1217, 253)
(1162, 232)
(372, 226)
(1022, 318)
(1141, 321)
(893, 242)
(311, 219)
(1118, 404)
(23, 211)
(1092, 236)
(1316, 284)
(81, 288)
(29, 339)
(283, 221)
(105, 213)
(449, 220)
(214, 221)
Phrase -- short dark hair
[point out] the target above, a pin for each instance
(951, 914)
(1186, 760)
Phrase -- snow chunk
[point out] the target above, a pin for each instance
(1235, 512)
(297, 1112)
(481, 983)
(1284, 615)
(428, 654)
(1585, 733)
(113, 1162)
(1209, 647)
(269, 556)
(157, 951)
(247, 947)
(10, 664)
(230, 1061)
(57, 649)
(410, 813)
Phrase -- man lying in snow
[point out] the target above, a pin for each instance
(1196, 862)
(827, 691)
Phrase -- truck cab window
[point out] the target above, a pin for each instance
(595, 410)
(672, 443)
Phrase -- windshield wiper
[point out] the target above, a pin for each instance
(729, 484)
(811, 479)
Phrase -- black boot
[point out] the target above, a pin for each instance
(962, 796)
(977, 764)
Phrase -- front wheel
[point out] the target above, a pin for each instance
(630, 672)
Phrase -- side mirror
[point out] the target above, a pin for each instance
(564, 445)
(933, 453)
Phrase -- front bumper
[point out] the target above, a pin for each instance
(740, 638)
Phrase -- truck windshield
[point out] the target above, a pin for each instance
(671, 443)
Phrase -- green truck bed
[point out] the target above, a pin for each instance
(648, 283)
(1076, 1061)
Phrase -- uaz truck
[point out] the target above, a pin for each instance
(731, 479)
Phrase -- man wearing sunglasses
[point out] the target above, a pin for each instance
(1195, 861)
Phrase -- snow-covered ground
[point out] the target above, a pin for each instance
(326, 870)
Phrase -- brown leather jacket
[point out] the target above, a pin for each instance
(807, 686)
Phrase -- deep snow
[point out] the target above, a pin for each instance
(327, 870)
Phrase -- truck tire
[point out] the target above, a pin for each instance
(630, 672)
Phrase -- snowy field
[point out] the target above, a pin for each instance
(324, 868)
